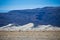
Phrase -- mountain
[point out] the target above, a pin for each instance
(38, 16)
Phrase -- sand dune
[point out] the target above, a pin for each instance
(28, 27)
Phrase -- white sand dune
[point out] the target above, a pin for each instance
(28, 27)
(12, 27)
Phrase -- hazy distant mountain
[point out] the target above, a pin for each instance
(38, 16)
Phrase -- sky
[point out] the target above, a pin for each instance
(7, 5)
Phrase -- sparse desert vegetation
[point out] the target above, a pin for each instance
(30, 35)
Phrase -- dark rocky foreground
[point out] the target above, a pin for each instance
(30, 35)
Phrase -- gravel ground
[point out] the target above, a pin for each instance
(43, 35)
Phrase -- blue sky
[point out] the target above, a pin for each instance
(6, 5)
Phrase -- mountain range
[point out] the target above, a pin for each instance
(38, 16)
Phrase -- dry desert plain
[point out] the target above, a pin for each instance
(30, 35)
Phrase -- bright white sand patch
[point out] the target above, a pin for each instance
(28, 27)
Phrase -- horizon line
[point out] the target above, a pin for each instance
(6, 11)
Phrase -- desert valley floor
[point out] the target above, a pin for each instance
(30, 35)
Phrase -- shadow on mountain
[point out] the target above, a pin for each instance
(38, 16)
